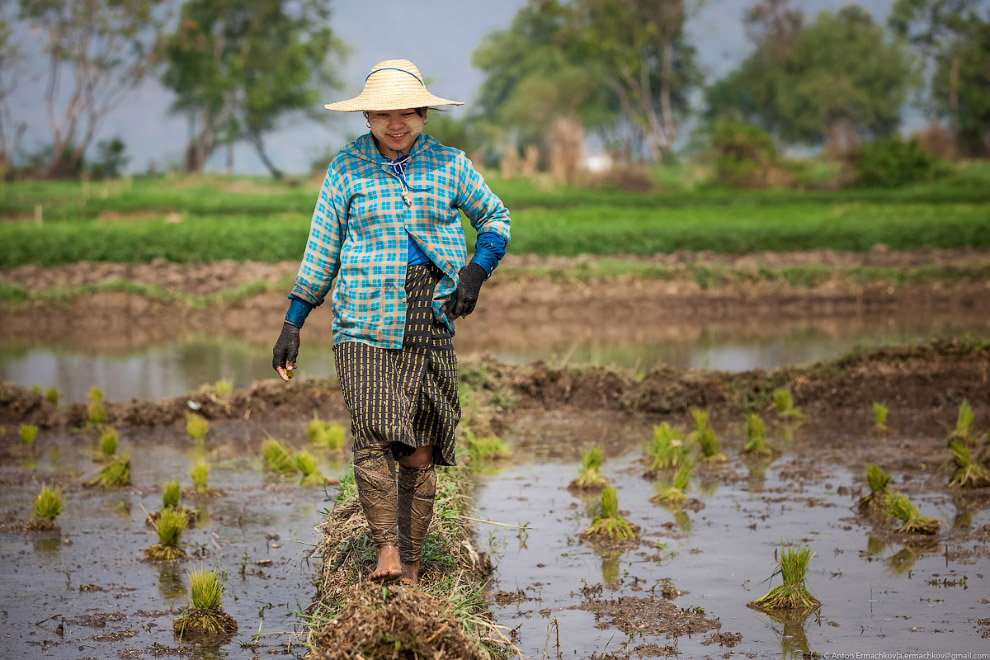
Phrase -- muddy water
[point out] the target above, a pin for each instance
(184, 364)
(91, 579)
(876, 597)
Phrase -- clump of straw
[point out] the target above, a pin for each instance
(792, 594)
(706, 438)
(877, 480)
(668, 449)
(28, 433)
(609, 523)
(46, 508)
(674, 493)
(115, 474)
(307, 464)
(196, 426)
(169, 527)
(880, 419)
(900, 507)
(784, 403)
(276, 457)
(589, 478)
(756, 432)
(967, 473)
(325, 434)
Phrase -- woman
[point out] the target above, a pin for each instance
(387, 229)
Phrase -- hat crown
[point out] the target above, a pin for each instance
(396, 69)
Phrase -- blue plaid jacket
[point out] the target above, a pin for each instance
(360, 229)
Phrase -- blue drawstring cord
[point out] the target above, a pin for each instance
(398, 167)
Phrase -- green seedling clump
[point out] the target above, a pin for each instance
(116, 474)
(880, 419)
(200, 475)
(52, 395)
(964, 425)
(169, 527)
(37, 389)
(204, 618)
(171, 492)
(668, 449)
(223, 387)
(95, 409)
(900, 507)
(675, 492)
(108, 441)
(28, 433)
(47, 507)
(489, 448)
(589, 478)
(276, 457)
(325, 434)
(196, 426)
(967, 473)
(877, 480)
(756, 432)
(706, 438)
(610, 524)
(792, 594)
(307, 464)
(784, 403)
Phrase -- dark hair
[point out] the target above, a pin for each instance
(419, 111)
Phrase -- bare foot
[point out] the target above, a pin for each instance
(410, 574)
(389, 566)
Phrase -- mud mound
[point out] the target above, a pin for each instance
(391, 622)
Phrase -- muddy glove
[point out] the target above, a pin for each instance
(469, 282)
(286, 351)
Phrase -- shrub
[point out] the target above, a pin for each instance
(745, 154)
(28, 433)
(890, 162)
(196, 426)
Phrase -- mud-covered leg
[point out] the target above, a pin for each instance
(376, 487)
(417, 490)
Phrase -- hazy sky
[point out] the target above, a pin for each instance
(438, 35)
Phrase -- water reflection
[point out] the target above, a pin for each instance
(790, 628)
(50, 544)
(171, 583)
(610, 565)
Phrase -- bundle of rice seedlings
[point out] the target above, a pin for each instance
(52, 395)
(171, 492)
(325, 434)
(706, 438)
(899, 506)
(489, 448)
(964, 425)
(223, 387)
(200, 475)
(169, 527)
(668, 449)
(196, 426)
(674, 492)
(306, 463)
(968, 472)
(108, 441)
(756, 432)
(880, 419)
(877, 480)
(204, 620)
(589, 478)
(95, 409)
(784, 403)
(47, 507)
(28, 433)
(276, 457)
(609, 523)
(792, 594)
(115, 474)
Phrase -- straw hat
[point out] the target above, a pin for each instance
(391, 85)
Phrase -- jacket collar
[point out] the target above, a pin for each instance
(365, 149)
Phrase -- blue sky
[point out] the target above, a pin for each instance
(438, 35)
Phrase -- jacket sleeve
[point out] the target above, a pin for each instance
(321, 260)
(482, 207)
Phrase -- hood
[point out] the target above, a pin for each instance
(365, 149)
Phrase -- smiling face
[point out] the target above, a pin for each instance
(396, 130)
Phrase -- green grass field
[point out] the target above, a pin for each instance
(260, 220)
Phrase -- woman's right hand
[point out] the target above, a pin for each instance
(286, 351)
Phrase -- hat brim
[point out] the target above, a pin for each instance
(377, 102)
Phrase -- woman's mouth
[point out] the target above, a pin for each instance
(399, 136)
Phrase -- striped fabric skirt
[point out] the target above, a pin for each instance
(405, 397)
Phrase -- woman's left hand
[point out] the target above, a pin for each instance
(469, 281)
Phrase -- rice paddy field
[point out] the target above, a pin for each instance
(631, 339)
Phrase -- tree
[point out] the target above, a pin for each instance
(106, 47)
(11, 59)
(961, 87)
(237, 67)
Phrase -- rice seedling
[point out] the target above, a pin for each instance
(706, 438)
(108, 441)
(325, 434)
(306, 463)
(169, 527)
(276, 457)
(200, 475)
(171, 492)
(115, 474)
(609, 523)
(900, 507)
(37, 389)
(877, 480)
(668, 449)
(482, 449)
(968, 472)
(46, 508)
(784, 403)
(196, 426)
(52, 395)
(792, 594)
(756, 432)
(95, 409)
(204, 617)
(674, 493)
(28, 433)
(223, 387)
(589, 478)
(880, 419)
(964, 425)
